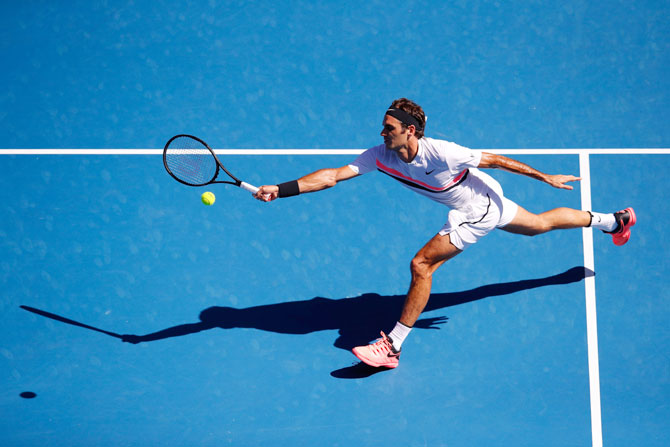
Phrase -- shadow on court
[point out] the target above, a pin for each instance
(357, 319)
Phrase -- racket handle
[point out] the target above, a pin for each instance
(251, 188)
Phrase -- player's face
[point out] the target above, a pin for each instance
(395, 135)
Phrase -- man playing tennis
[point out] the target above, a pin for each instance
(449, 174)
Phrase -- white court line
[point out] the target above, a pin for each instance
(117, 151)
(591, 317)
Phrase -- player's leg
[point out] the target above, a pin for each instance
(617, 224)
(530, 224)
(435, 253)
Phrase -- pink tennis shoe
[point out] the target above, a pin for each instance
(625, 219)
(379, 354)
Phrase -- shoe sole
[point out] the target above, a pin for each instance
(623, 237)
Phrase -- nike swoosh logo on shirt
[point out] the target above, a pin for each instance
(429, 172)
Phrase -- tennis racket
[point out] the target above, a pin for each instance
(190, 161)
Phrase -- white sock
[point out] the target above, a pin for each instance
(398, 335)
(605, 222)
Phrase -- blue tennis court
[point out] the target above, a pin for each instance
(135, 315)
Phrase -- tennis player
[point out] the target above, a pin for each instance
(451, 175)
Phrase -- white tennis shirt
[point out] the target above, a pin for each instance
(442, 171)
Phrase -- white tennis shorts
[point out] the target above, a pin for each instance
(465, 226)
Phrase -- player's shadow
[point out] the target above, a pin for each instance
(357, 319)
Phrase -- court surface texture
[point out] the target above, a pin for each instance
(134, 315)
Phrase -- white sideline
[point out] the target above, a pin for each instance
(591, 316)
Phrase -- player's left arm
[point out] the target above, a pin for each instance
(494, 161)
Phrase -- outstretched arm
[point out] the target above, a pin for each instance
(316, 181)
(493, 161)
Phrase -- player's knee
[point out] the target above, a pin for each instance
(420, 267)
(537, 231)
(543, 227)
(539, 226)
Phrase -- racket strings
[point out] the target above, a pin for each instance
(190, 161)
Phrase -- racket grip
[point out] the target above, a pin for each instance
(251, 188)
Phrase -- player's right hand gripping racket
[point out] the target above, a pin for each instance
(192, 162)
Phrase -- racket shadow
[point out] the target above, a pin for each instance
(358, 320)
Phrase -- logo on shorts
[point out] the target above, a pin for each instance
(429, 172)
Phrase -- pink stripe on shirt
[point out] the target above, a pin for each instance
(391, 171)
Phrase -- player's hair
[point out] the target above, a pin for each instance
(413, 109)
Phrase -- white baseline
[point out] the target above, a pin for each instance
(117, 151)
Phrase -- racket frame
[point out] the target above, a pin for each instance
(219, 166)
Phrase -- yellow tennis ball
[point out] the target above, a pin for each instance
(208, 198)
